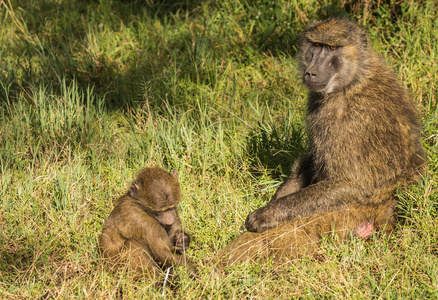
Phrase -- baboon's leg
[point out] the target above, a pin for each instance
(111, 242)
(245, 248)
(139, 258)
(288, 241)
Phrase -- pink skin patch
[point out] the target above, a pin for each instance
(365, 230)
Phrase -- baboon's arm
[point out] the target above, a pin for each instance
(175, 228)
(315, 198)
(162, 251)
(300, 177)
(132, 222)
(140, 227)
(136, 224)
(178, 237)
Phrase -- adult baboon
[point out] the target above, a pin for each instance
(144, 228)
(362, 127)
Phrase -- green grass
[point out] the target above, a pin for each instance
(92, 91)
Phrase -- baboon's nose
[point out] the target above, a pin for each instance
(310, 76)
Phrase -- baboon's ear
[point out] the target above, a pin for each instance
(133, 191)
(175, 174)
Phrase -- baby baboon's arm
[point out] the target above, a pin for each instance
(178, 237)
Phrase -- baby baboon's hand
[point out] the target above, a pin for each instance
(261, 220)
(182, 242)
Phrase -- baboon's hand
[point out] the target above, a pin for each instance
(261, 220)
(182, 241)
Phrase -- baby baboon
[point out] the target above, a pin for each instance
(362, 127)
(292, 239)
(144, 228)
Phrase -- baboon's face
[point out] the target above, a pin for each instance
(166, 217)
(322, 66)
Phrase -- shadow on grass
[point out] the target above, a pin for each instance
(15, 258)
(124, 49)
(129, 50)
(70, 40)
(274, 149)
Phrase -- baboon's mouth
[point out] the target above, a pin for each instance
(315, 86)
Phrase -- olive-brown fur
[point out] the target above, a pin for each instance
(133, 233)
(363, 131)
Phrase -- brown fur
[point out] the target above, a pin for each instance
(144, 229)
(363, 133)
(363, 143)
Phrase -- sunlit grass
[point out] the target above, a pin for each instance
(90, 92)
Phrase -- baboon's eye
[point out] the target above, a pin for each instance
(316, 44)
(333, 47)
